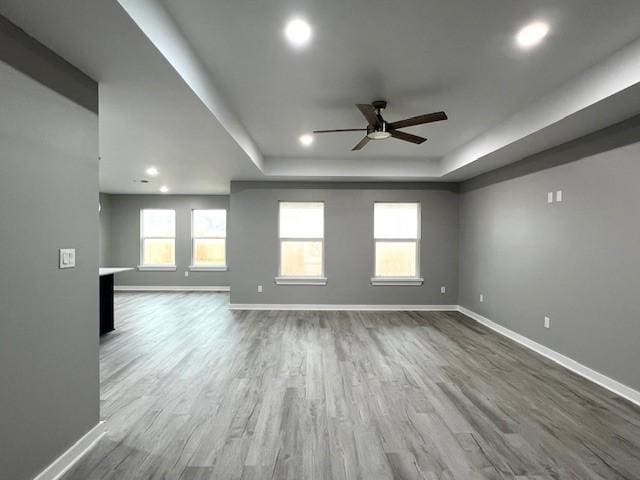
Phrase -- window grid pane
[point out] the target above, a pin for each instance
(158, 251)
(209, 252)
(396, 221)
(299, 258)
(158, 223)
(209, 223)
(301, 220)
(396, 259)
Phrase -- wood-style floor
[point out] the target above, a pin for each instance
(193, 391)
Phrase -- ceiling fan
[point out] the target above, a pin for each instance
(379, 129)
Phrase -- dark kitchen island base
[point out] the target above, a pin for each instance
(106, 297)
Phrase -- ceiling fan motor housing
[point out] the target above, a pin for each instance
(378, 132)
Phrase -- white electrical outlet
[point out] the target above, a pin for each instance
(186, 274)
(259, 288)
(559, 196)
(67, 257)
(443, 289)
(549, 197)
(482, 297)
(547, 322)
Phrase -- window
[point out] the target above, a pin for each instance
(301, 230)
(158, 239)
(396, 229)
(208, 240)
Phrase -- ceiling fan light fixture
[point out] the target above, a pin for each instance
(378, 135)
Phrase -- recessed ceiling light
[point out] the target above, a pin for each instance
(164, 189)
(306, 139)
(298, 32)
(153, 171)
(532, 34)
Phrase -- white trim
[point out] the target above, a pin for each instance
(568, 363)
(370, 308)
(221, 268)
(376, 281)
(280, 279)
(195, 268)
(397, 281)
(300, 280)
(64, 462)
(171, 288)
(142, 266)
(149, 268)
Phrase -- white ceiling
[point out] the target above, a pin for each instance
(223, 97)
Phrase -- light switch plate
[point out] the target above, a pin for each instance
(558, 195)
(549, 197)
(443, 289)
(67, 257)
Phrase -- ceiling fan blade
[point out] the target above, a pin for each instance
(361, 143)
(369, 113)
(419, 120)
(407, 137)
(341, 130)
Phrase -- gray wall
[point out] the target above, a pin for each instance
(577, 262)
(349, 243)
(105, 230)
(49, 392)
(35, 60)
(125, 238)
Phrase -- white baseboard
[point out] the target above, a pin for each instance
(568, 363)
(169, 288)
(368, 308)
(65, 461)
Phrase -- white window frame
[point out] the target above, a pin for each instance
(157, 268)
(208, 268)
(415, 280)
(301, 279)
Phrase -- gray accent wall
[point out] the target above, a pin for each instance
(125, 238)
(49, 376)
(576, 261)
(349, 245)
(27, 55)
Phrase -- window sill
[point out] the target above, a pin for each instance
(301, 280)
(397, 281)
(221, 268)
(149, 268)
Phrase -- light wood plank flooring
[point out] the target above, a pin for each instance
(193, 391)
